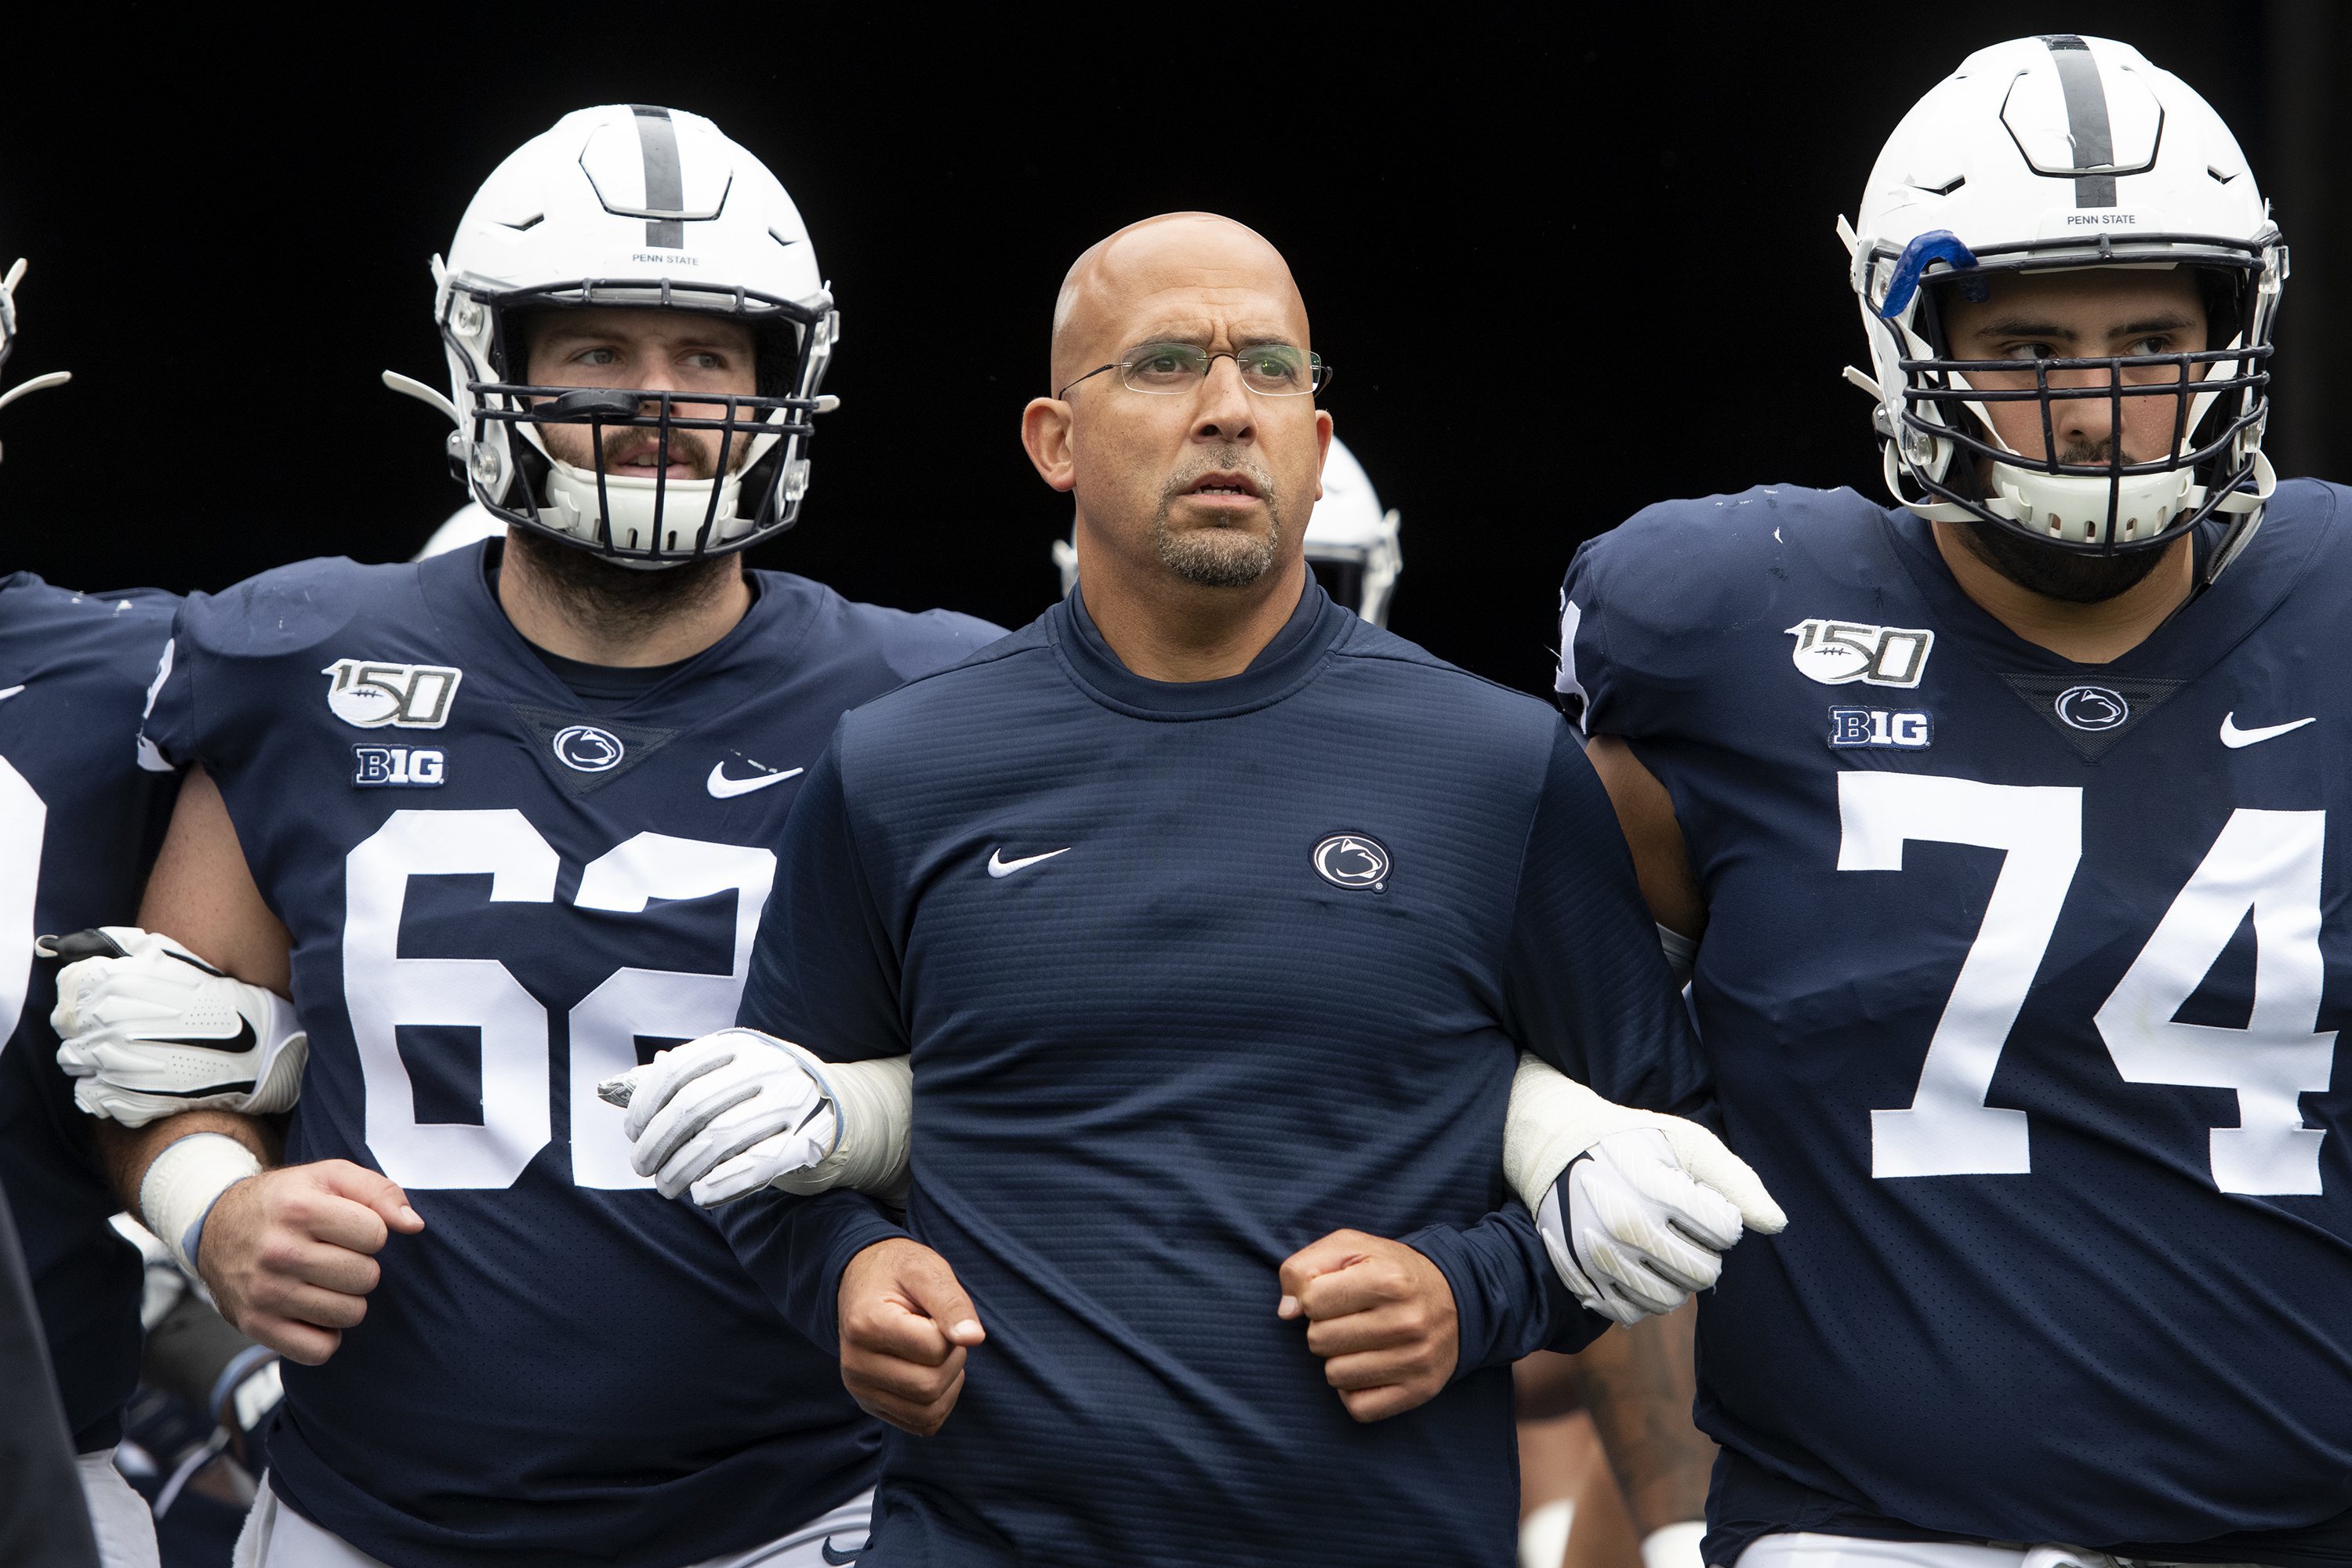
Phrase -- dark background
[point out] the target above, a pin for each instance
(1564, 267)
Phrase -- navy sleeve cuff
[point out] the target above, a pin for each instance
(796, 1249)
(1508, 1301)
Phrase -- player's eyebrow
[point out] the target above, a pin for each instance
(2036, 327)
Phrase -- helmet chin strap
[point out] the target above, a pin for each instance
(634, 507)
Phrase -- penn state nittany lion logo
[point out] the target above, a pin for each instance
(1351, 860)
(2091, 708)
(588, 749)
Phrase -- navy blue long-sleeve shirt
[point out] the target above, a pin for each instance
(1192, 975)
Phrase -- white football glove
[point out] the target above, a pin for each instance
(1635, 1208)
(149, 1029)
(738, 1110)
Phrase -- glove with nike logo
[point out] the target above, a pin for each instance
(1635, 1208)
(149, 1029)
(738, 1110)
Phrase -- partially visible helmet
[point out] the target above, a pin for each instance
(637, 206)
(1352, 545)
(2067, 152)
(8, 282)
(469, 524)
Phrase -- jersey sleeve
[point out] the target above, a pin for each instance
(823, 974)
(214, 697)
(168, 729)
(1618, 633)
(1585, 987)
(1585, 984)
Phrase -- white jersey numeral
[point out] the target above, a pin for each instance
(24, 815)
(385, 991)
(1948, 1130)
(658, 1003)
(2265, 862)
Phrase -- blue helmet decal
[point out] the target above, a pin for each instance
(1935, 245)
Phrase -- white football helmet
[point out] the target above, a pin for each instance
(1352, 545)
(631, 205)
(8, 282)
(2067, 152)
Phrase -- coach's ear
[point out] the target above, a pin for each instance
(1045, 435)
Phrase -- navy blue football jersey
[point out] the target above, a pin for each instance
(80, 824)
(1192, 975)
(2019, 984)
(499, 894)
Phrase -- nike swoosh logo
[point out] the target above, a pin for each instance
(2233, 737)
(243, 1040)
(998, 865)
(721, 787)
(11, 693)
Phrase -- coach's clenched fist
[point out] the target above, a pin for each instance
(1381, 1317)
(290, 1254)
(905, 1325)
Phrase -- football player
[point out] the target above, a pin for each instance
(2008, 821)
(57, 1278)
(499, 823)
(80, 822)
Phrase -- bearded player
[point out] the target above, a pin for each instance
(499, 823)
(2009, 825)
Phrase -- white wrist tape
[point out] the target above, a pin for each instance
(1674, 1546)
(874, 1114)
(184, 1182)
(1682, 953)
(1553, 1119)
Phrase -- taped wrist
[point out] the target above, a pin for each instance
(1553, 1119)
(874, 1114)
(183, 1183)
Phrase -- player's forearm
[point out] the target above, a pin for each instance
(1638, 1382)
(128, 1152)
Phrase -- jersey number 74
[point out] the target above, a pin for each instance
(2265, 861)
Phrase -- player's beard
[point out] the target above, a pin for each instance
(2066, 575)
(612, 602)
(1219, 557)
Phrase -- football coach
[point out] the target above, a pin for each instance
(1215, 919)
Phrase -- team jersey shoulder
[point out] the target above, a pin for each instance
(66, 623)
(288, 609)
(2303, 538)
(909, 709)
(911, 643)
(1648, 608)
(219, 686)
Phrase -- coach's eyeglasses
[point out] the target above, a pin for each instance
(1270, 370)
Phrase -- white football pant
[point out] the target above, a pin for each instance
(118, 1516)
(275, 1536)
(1805, 1550)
